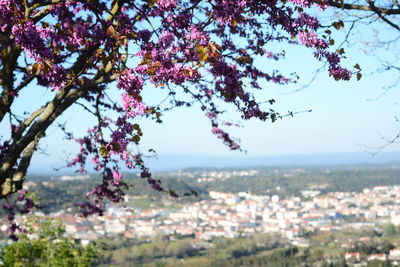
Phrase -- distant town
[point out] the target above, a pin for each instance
(233, 215)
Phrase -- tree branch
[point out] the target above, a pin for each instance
(339, 4)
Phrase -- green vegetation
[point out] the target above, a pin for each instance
(257, 250)
(45, 245)
(186, 251)
(289, 182)
(326, 249)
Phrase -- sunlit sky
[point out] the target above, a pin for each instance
(343, 117)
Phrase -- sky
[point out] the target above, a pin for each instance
(343, 117)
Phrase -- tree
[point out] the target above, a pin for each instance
(385, 11)
(372, 12)
(375, 25)
(200, 53)
(45, 244)
(389, 230)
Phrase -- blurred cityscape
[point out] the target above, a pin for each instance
(218, 214)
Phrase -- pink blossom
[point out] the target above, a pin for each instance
(117, 177)
(132, 106)
(167, 4)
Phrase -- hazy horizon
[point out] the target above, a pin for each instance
(172, 162)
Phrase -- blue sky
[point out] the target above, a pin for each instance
(342, 118)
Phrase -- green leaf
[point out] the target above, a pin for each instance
(172, 193)
(136, 138)
(273, 117)
(35, 69)
(202, 53)
(103, 151)
(47, 66)
(340, 51)
(136, 126)
(116, 147)
(338, 24)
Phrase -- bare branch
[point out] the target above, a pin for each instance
(339, 4)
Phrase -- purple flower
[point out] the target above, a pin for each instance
(132, 106)
(117, 177)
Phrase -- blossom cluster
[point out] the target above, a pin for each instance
(23, 204)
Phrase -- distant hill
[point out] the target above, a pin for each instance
(175, 162)
(178, 162)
